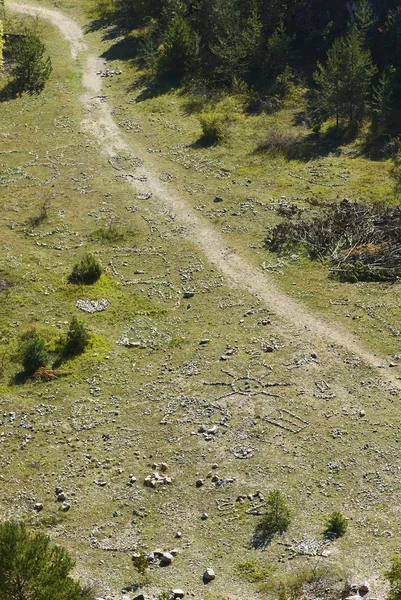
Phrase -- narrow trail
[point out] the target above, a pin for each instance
(99, 122)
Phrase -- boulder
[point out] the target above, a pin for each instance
(167, 558)
(209, 574)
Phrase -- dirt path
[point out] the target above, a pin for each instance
(99, 122)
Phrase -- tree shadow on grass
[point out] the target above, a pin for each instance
(294, 145)
(261, 539)
(203, 142)
(124, 49)
(153, 88)
(10, 92)
(20, 378)
(15, 89)
(102, 23)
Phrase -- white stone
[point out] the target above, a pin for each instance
(209, 574)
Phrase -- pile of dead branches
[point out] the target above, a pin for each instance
(362, 242)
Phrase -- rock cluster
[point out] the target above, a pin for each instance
(93, 306)
(156, 478)
(108, 73)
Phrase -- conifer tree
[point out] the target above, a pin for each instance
(277, 518)
(32, 69)
(364, 18)
(30, 569)
(180, 45)
(343, 83)
(382, 102)
(278, 50)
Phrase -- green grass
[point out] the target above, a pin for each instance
(123, 408)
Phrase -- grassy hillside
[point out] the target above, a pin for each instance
(185, 367)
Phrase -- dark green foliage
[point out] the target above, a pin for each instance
(31, 68)
(87, 271)
(391, 31)
(227, 44)
(393, 576)
(77, 338)
(382, 100)
(336, 524)
(231, 42)
(140, 562)
(179, 47)
(31, 569)
(33, 353)
(278, 50)
(252, 42)
(363, 18)
(343, 83)
(277, 518)
(148, 52)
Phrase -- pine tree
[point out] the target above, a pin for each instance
(228, 44)
(382, 102)
(180, 46)
(30, 569)
(148, 52)
(336, 524)
(277, 517)
(252, 39)
(278, 50)
(33, 353)
(392, 38)
(77, 338)
(364, 18)
(32, 69)
(329, 81)
(343, 83)
(359, 70)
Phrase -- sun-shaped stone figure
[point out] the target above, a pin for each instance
(248, 385)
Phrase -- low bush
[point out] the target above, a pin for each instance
(281, 143)
(33, 353)
(393, 576)
(253, 572)
(87, 271)
(214, 127)
(77, 338)
(336, 524)
(140, 562)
